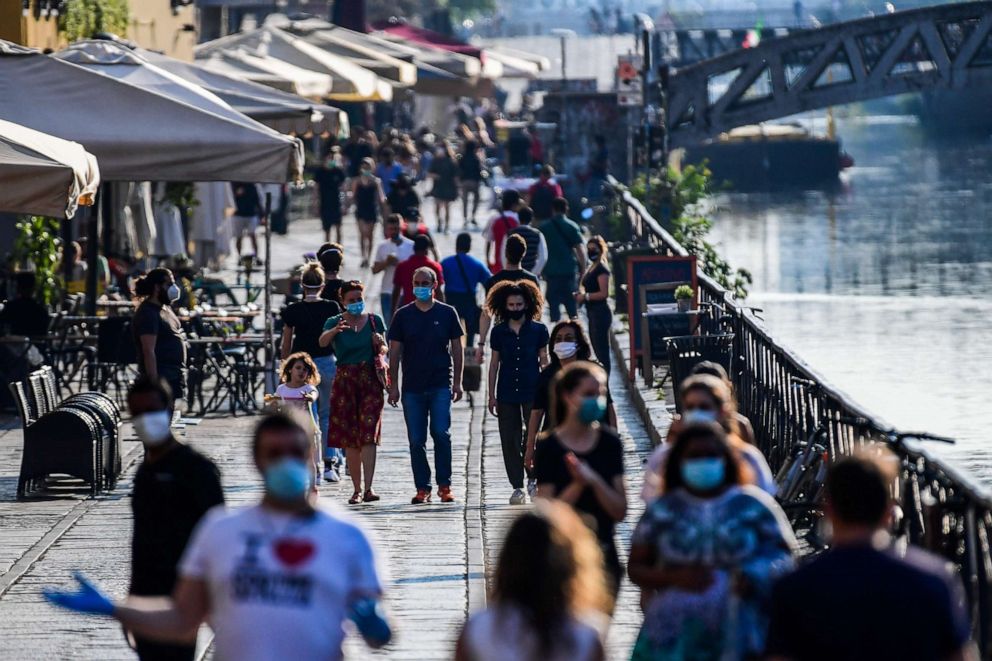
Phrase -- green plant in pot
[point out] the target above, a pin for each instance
(683, 297)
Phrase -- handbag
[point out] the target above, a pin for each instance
(379, 363)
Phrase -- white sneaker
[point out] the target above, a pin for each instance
(331, 475)
(518, 497)
(532, 488)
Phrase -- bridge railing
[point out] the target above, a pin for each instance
(786, 400)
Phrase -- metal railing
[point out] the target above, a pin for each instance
(943, 509)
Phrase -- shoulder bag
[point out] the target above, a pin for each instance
(379, 363)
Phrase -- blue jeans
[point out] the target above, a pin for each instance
(386, 303)
(417, 408)
(559, 291)
(327, 367)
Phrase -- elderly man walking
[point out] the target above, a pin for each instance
(426, 336)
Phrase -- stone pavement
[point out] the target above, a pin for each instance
(436, 557)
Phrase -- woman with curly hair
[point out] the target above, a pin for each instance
(519, 352)
(549, 597)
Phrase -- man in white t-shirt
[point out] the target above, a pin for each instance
(388, 254)
(275, 581)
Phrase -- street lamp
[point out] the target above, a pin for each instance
(563, 35)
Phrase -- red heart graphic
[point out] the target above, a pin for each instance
(293, 552)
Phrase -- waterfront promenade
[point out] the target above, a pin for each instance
(436, 557)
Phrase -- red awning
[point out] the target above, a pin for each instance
(428, 38)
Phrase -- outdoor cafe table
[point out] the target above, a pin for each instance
(235, 363)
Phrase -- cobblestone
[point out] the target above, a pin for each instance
(437, 556)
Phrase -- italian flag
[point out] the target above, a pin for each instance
(753, 37)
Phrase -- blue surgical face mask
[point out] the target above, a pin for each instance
(356, 308)
(288, 479)
(423, 293)
(693, 416)
(592, 410)
(704, 474)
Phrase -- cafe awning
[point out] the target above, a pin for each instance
(351, 81)
(44, 175)
(287, 113)
(140, 133)
(266, 70)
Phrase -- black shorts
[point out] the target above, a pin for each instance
(329, 219)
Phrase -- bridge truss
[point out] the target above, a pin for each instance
(945, 46)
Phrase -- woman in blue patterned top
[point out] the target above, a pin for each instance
(705, 554)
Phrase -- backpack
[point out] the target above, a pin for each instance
(540, 201)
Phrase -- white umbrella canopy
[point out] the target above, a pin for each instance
(284, 112)
(351, 81)
(140, 133)
(44, 175)
(267, 70)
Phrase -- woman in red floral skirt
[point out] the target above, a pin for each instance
(357, 394)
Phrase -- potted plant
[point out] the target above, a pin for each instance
(683, 297)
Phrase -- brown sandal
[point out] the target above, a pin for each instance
(355, 498)
(370, 496)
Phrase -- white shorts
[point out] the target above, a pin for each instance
(244, 225)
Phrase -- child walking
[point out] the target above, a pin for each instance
(298, 388)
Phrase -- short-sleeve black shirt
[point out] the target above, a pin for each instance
(170, 340)
(606, 458)
(590, 282)
(542, 395)
(307, 321)
(860, 603)
(510, 276)
(169, 498)
(332, 290)
(426, 337)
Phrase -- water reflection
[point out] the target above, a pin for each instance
(885, 286)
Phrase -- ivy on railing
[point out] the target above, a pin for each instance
(687, 194)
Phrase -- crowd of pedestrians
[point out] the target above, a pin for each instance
(713, 555)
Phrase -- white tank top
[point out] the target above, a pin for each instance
(501, 634)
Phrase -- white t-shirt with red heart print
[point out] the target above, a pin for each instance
(279, 584)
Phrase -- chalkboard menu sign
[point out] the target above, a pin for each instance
(646, 270)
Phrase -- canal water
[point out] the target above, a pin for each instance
(885, 286)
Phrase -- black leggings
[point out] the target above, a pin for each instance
(600, 320)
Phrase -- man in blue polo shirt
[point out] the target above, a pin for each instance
(430, 385)
(463, 273)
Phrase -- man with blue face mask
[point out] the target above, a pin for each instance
(173, 488)
(276, 580)
(426, 336)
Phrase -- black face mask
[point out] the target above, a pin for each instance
(594, 255)
(515, 314)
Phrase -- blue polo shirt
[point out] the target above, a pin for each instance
(519, 365)
(474, 269)
(426, 337)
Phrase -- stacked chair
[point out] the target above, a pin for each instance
(79, 436)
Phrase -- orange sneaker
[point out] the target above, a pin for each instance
(423, 496)
(444, 493)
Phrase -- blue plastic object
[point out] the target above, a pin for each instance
(88, 599)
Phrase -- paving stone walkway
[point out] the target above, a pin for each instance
(436, 556)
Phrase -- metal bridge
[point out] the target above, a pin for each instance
(946, 46)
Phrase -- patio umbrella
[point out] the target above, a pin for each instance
(44, 175)
(287, 113)
(270, 71)
(351, 81)
(359, 48)
(140, 133)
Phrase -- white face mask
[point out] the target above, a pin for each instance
(565, 349)
(153, 428)
(173, 292)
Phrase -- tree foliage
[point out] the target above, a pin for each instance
(81, 19)
(688, 193)
(36, 248)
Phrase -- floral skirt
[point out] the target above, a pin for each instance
(356, 407)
